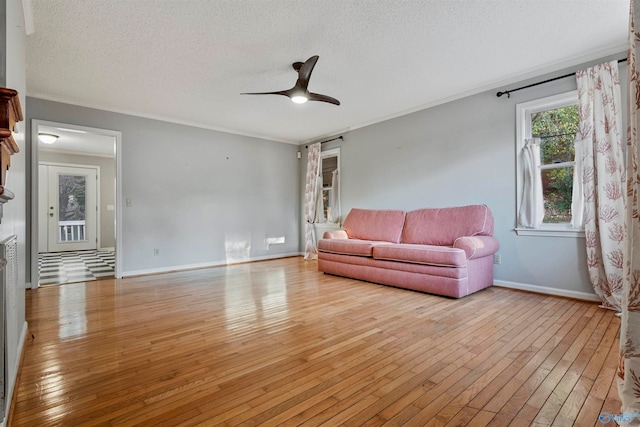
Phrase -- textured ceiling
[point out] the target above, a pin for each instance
(188, 61)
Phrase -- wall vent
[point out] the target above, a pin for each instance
(8, 287)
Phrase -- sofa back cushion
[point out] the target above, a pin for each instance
(379, 225)
(443, 226)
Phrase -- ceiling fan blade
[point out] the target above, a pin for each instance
(280, 92)
(323, 98)
(305, 72)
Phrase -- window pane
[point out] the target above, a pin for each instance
(557, 188)
(557, 128)
(71, 197)
(326, 200)
(557, 149)
(71, 208)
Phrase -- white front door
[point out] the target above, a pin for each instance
(68, 207)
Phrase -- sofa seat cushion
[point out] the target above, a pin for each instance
(422, 254)
(457, 273)
(349, 246)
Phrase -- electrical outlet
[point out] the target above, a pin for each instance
(156, 252)
(497, 259)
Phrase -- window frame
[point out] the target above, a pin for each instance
(523, 132)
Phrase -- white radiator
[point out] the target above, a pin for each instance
(8, 289)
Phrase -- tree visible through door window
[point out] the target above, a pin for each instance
(72, 207)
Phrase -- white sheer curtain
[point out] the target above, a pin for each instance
(603, 174)
(310, 200)
(628, 376)
(335, 198)
(532, 205)
(319, 201)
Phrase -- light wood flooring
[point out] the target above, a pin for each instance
(276, 343)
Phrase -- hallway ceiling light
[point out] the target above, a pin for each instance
(47, 138)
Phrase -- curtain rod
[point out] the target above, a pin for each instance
(508, 92)
(328, 140)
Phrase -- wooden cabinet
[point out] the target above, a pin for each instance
(10, 114)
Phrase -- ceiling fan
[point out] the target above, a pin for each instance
(299, 93)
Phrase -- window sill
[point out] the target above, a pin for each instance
(551, 232)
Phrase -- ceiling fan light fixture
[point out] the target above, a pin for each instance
(299, 99)
(299, 93)
(47, 138)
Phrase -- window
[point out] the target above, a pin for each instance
(553, 121)
(329, 168)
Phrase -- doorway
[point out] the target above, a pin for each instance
(76, 189)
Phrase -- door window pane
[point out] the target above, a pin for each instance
(71, 208)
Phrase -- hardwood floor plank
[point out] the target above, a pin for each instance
(550, 346)
(612, 402)
(505, 384)
(482, 418)
(463, 418)
(559, 397)
(594, 403)
(491, 362)
(276, 343)
(583, 384)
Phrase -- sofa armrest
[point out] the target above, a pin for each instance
(335, 234)
(477, 246)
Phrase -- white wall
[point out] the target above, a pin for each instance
(200, 197)
(13, 220)
(459, 153)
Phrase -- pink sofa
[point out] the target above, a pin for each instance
(447, 251)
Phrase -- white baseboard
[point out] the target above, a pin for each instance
(12, 380)
(549, 291)
(107, 249)
(203, 265)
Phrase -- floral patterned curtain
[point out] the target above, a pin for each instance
(629, 364)
(310, 202)
(603, 173)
